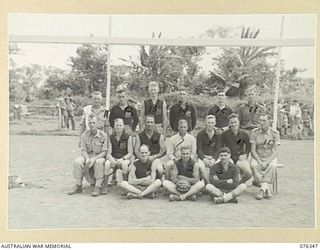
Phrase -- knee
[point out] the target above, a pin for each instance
(78, 162)
(166, 183)
(243, 186)
(209, 186)
(100, 161)
(123, 184)
(157, 183)
(200, 184)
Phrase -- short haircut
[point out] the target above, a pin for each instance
(118, 119)
(251, 89)
(144, 145)
(153, 84)
(185, 148)
(150, 115)
(233, 115)
(221, 91)
(225, 150)
(182, 119)
(92, 116)
(96, 93)
(210, 117)
(266, 114)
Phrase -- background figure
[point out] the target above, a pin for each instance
(70, 106)
(296, 121)
(62, 106)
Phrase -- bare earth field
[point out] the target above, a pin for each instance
(45, 163)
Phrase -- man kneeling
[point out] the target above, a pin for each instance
(185, 178)
(142, 176)
(224, 180)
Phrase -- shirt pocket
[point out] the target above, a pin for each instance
(97, 146)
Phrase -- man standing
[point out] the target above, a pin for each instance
(142, 176)
(155, 142)
(70, 106)
(224, 183)
(126, 112)
(208, 146)
(120, 153)
(185, 173)
(91, 163)
(156, 107)
(221, 112)
(176, 142)
(238, 141)
(250, 111)
(100, 112)
(183, 110)
(264, 144)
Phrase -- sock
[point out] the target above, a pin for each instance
(227, 197)
(264, 186)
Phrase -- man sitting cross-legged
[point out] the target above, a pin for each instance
(185, 174)
(224, 180)
(155, 141)
(142, 176)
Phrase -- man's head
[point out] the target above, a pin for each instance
(122, 96)
(265, 120)
(221, 97)
(182, 126)
(149, 122)
(92, 122)
(67, 100)
(118, 125)
(153, 89)
(251, 94)
(185, 153)
(144, 152)
(225, 154)
(182, 95)
(234, 121)
(210, 122)
(96, 98)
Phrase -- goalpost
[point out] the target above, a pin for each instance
(109, 40)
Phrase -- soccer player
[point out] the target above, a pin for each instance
(91, 164)
(250, 111)
(221, 112)
(208, 146)
(100, 112)
(264, 151)
(183, 110)
(238, 141)
(142, 176)
(186, 170)
(175, 143)
(224, 183)
(155, 106)
(120, 153)
(125, 111)
(154, 140)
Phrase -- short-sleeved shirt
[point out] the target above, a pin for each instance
(221, 115)
(265, 141)
(101, 114)
(94, 144)
(249, 115)
(154, 109)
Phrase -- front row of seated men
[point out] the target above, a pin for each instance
(182, 164)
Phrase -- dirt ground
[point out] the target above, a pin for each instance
(45, 163)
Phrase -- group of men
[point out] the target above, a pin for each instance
(220, 160)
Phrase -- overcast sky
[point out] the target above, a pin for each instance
(174, 26)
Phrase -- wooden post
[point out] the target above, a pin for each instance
(59, 116)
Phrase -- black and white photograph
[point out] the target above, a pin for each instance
(161, 121)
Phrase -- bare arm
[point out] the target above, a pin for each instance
(137, 147)
(142, 117)
(196, 175)
(174, 175)
(130, 149)
(254, 153)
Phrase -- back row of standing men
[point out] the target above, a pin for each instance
(208, 160)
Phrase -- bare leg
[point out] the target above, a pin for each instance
(151, 188)
(194, 189)
(213, 191)
(171, 187)
(130, 188)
